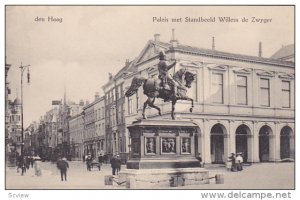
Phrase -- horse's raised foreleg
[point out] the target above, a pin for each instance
(191, 100)
(154, 106)
(173, 109)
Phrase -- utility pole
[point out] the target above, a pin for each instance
(22, 121)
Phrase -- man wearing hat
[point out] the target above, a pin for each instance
(63, 165)
(163, 69)
(232, 158)
(239, 161)
(115, 164)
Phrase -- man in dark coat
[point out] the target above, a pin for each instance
(89, 161)
(233, 162)
(100, 159)
(115, 164)
(63, 165)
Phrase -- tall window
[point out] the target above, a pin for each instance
(137, 102)
(286, 94)
(117, 93)
(120, 114)
(113, 116)
(264, 92)
(242, 95)
(130, 105)
(113, 95)
(217, 88)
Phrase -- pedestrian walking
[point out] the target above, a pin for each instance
(24, 165)
(100, 159)
(31, 160)
(239, 161)
(115, 165)
(63, 166)
(27, 162)
(19, 162)
(89, 162)
(119, 164)
(37, 166)
(233, 162)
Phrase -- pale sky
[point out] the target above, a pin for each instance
(92, 41)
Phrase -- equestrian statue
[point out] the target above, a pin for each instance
(166, 87)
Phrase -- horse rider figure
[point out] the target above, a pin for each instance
(164, 76)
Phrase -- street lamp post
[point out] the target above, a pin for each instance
(22, 126)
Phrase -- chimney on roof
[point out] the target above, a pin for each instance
(87, 102)
(97, 96)
(81, 102)
(260, 49)
(213, 44)
(173, 41)
(156, 37)
(127, 62)
(110, 76)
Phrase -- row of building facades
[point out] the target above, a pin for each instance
(242, 104)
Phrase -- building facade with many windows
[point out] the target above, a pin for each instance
(117, 139)
(99, 139)
(242, 103)
(76, 128)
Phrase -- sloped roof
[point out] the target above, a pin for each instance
(284, 51)
(212, 53)
(123, 69)
(233, 56)
(221, 54)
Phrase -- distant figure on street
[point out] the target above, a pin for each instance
(233, 162)
(199, 158)
(115, 165)
(25, 165)
(31, 160)
(83, 158)
(37, 167)
(19, 162)
(100, 159)
(63, 166)
(27, 162)
(89, 161)
(239, 161)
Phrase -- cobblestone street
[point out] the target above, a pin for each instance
(257, 176)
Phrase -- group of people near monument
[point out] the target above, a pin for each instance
(24, 162)
(116, 164)
(235, 162)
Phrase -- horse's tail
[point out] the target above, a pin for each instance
(135, 84)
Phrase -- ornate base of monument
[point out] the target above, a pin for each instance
(163, 178)
(163, 153)
(157, 144)
(162, 163)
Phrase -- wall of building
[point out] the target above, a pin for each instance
(229, 114)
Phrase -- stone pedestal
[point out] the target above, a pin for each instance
(163, 178)
(163, 154)
(157, 144)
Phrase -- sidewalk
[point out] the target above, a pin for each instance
(256, 176)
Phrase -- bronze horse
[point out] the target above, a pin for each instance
(153, 89)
